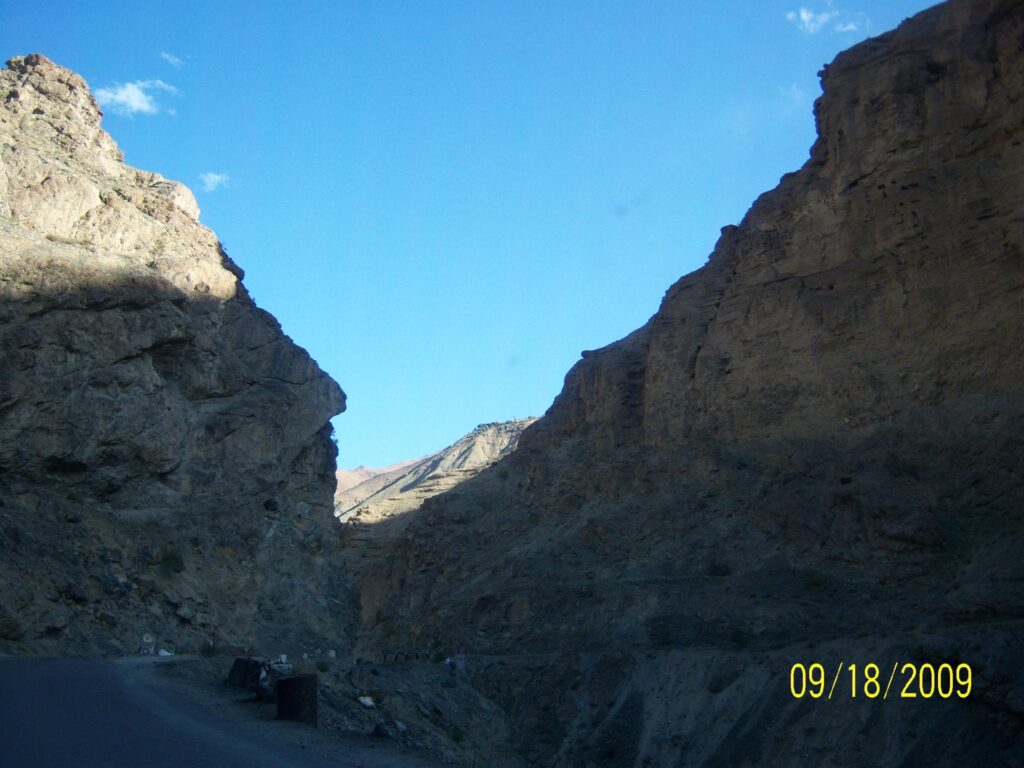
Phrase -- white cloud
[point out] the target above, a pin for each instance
(212, 181)
(863, 24)
(130, 98)
(171, 59)
(809, 21)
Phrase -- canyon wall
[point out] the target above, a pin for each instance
(166, 463)
(813, 451)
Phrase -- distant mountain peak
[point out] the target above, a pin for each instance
(370, 494)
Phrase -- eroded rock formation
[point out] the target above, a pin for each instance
(374, 513)
(379, 495)
(814, 451)
(165, 456)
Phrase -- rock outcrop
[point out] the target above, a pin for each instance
(374, 514)
(405, 486)
(166, 464)
(814, 451)
(350, 478)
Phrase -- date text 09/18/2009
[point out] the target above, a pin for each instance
(905, 680)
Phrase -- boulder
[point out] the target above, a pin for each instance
(245, 672)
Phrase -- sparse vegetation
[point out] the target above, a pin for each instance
(815, 580)
(172, 561)
(158, 247)
(740, 637)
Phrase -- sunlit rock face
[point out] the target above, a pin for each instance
(370, 496)
(814, 450)
(166, 466)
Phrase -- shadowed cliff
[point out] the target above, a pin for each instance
(165, 449)
(813, 451)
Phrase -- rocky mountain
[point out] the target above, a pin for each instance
(351, 478)
(405, 486)
(813, 451)
(374, 513)
(166, 465)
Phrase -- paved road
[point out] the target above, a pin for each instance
(59, 713)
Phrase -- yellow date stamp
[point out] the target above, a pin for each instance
(906, 680)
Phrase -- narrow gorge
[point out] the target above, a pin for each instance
(813, 452)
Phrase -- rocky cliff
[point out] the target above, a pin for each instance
(374, 513)
(813, 451)
(405, 486)
(350, 478)
(166, 465)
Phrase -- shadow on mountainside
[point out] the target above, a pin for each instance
(166, 468)
(605, 598)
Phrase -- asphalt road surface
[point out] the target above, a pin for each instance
(64, 713)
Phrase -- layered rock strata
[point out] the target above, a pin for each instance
(166, 466)
(404, 487)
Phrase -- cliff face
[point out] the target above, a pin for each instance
(814, 450)
(406, 486)
(374, 514)
(165, 456)
(880, 278)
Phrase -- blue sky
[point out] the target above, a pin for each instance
(446, 202)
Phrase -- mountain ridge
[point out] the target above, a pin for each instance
(395, 489)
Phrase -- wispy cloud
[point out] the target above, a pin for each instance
(792, 93)
(212, 181)
(809, 21)
(132, 98)
(171, 59)
(861, 24)
(812, 22)
(746, 119)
